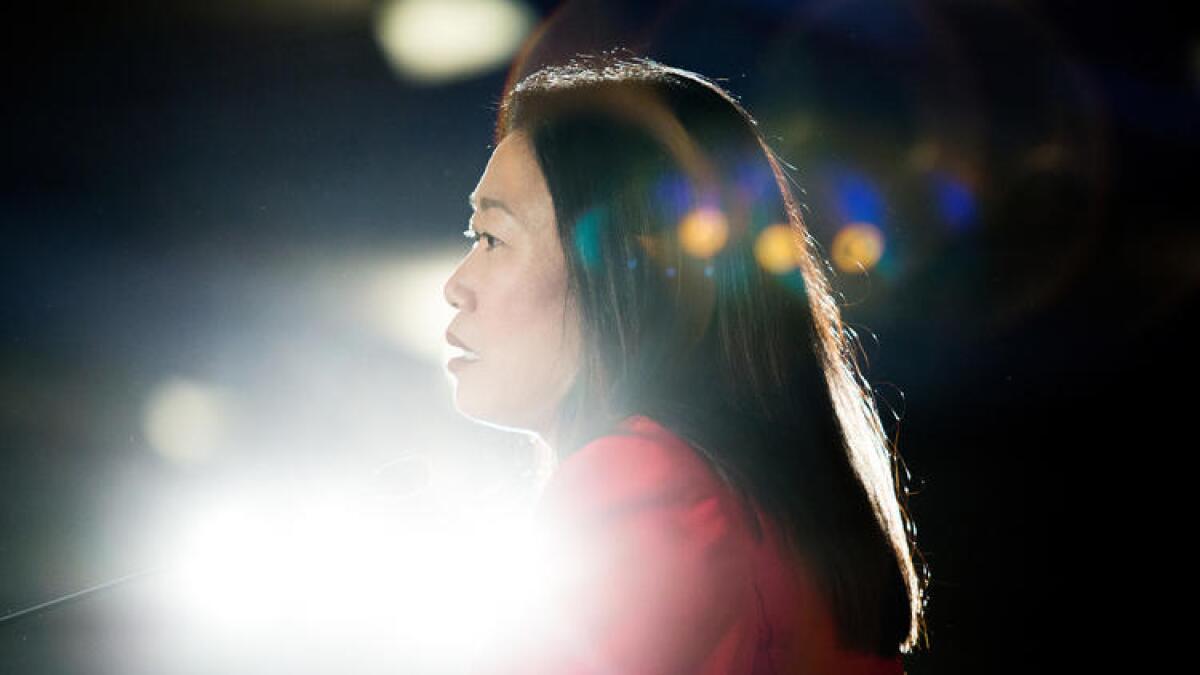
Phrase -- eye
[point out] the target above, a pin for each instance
(489, 239)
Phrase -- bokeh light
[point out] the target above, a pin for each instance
(955, 200)
(857, 198)
(186, 421)
(924, 155)
(703, 232)
(775, 249)
(857, 247)
(443, 40)
(403, 301)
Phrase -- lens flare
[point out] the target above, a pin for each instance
(703, 232)
(775, 249)
(857, 197)
(186, 421)
(857, 247)
(444, 40)
(955, 201)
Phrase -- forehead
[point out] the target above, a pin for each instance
(513, 176)
(514, 151)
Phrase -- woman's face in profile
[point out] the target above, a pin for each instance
(511, 295)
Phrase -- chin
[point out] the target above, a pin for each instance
(482, 403)
(492, 408)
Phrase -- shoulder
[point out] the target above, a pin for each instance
(651, 568)
(642, 463)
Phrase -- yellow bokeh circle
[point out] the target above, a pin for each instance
(775, 249)
(703, 232)
(857, 247)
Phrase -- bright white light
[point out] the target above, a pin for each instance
(227, 569)
(452, 587)
(185, 421)
(440, 40)
(403, 301)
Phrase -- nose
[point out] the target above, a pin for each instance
(456, 293)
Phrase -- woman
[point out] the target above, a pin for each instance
(722, 475)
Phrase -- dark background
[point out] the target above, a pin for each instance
(169, 168)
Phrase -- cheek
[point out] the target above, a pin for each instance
(532, 359)
(529, 324)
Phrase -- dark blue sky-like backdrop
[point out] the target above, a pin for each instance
(215, 204)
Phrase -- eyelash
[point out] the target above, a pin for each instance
(474, 236)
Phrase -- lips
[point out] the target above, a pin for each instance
(468, 353)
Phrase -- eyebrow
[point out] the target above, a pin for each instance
(485, 203)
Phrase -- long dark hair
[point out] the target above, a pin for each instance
(683, 324)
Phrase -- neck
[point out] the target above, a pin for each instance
(550, 438)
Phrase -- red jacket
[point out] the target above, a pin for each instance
(667, 577)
